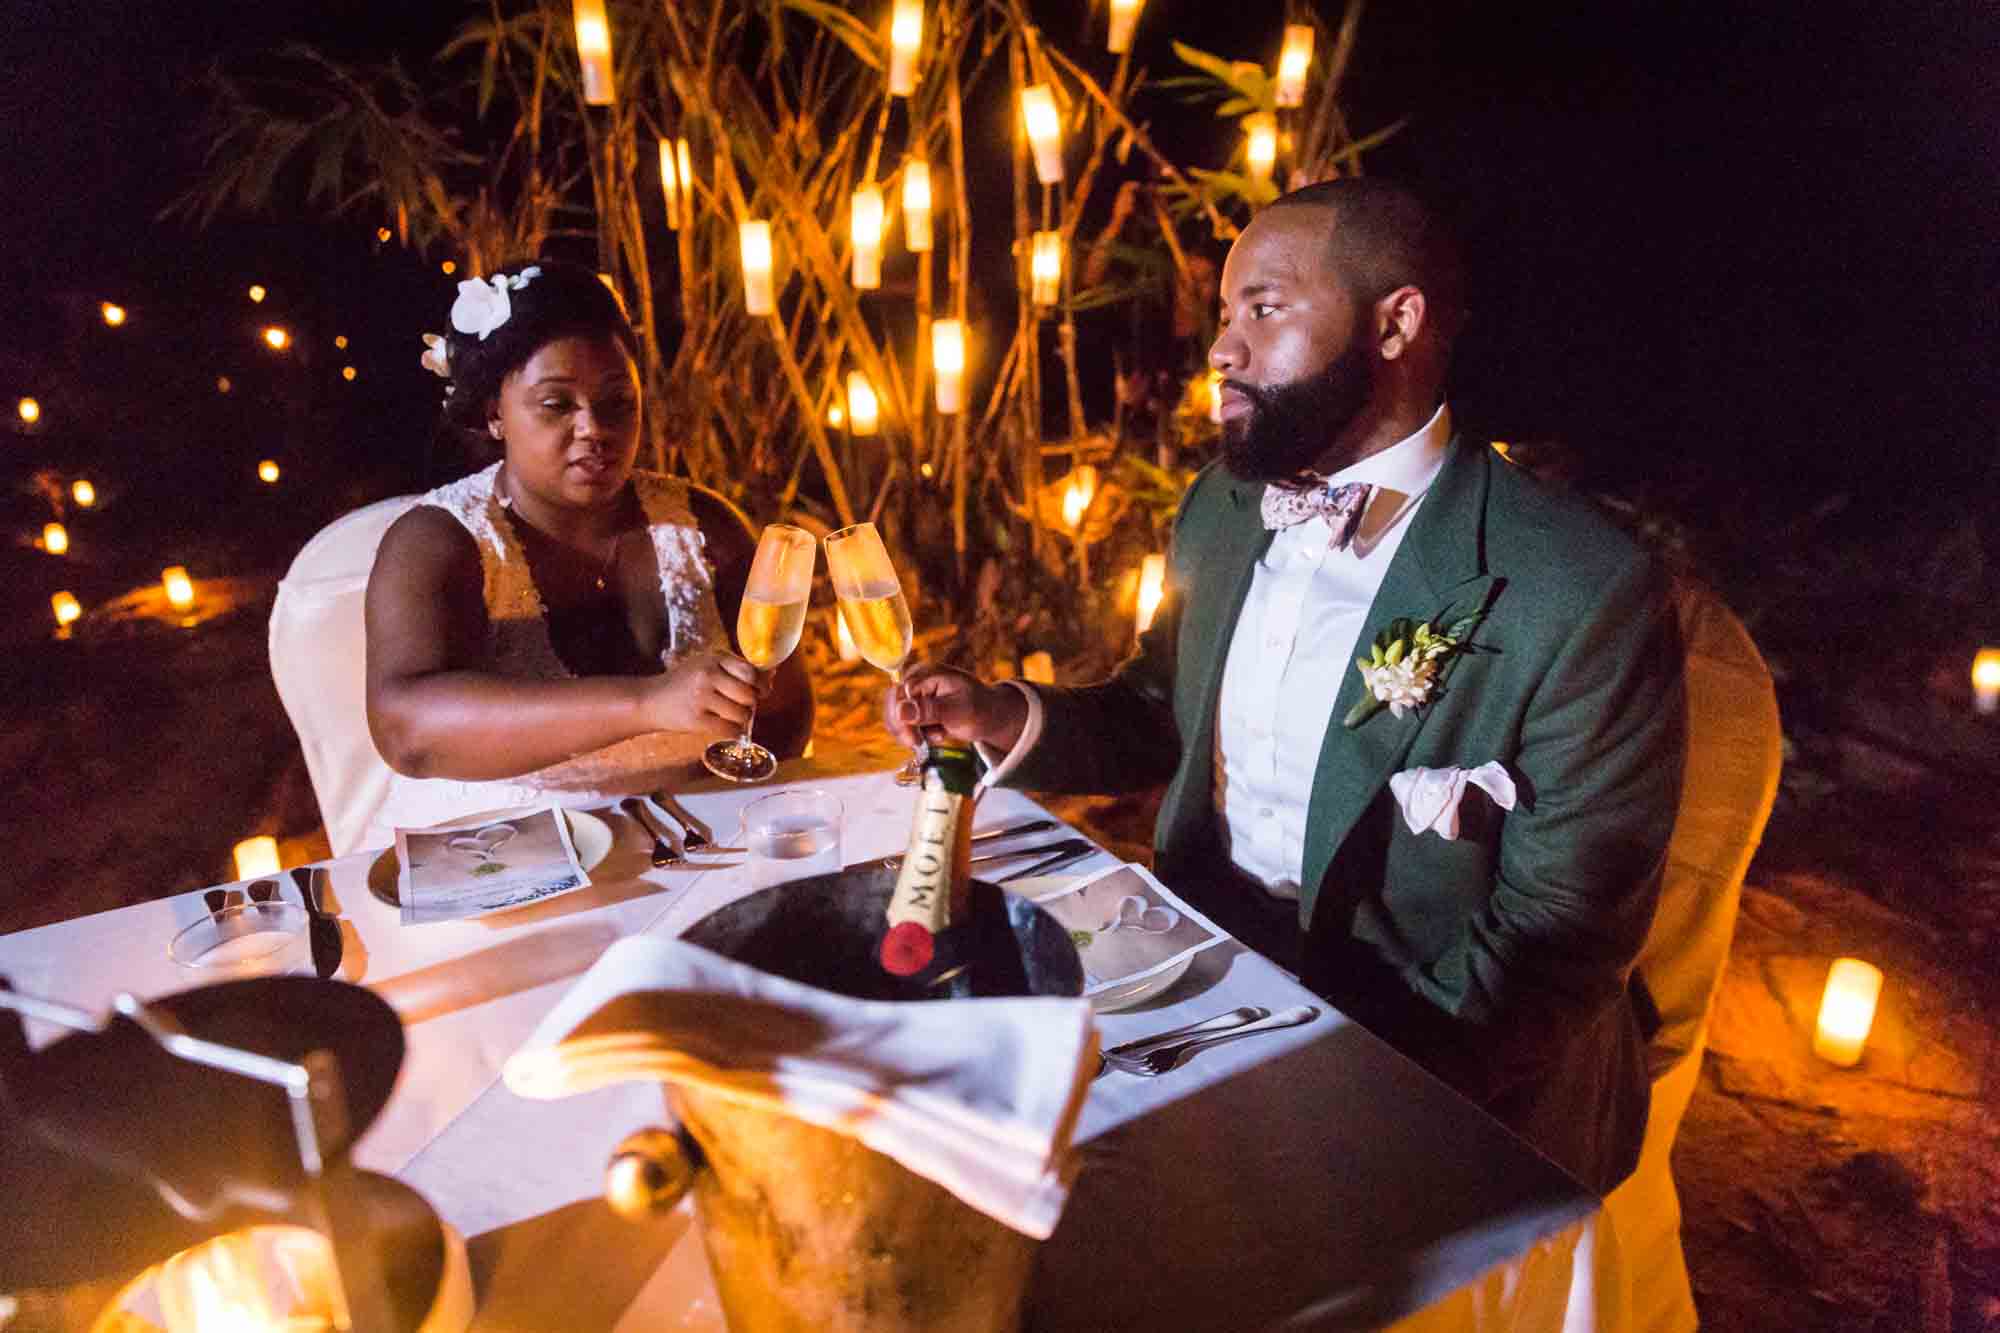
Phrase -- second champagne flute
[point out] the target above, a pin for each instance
(872, 604)
(767, 630)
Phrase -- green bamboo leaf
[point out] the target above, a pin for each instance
(1236, 106)
(1214, 66)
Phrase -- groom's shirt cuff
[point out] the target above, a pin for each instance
(998, 765)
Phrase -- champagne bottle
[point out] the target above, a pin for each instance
(934, 887)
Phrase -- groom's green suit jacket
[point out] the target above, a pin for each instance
(1502, 960)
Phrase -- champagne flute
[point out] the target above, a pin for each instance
(871, 602)
(767, 630)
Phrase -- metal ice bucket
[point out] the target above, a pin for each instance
(807, 1229)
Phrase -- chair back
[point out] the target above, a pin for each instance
(1734, 751)
(318, 642)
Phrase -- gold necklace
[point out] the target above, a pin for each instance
(610, 557)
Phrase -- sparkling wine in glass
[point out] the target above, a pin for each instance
(767, 630)
(871, 602)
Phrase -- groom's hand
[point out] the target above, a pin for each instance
(934, 702)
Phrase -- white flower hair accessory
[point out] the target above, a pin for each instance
(483, 304)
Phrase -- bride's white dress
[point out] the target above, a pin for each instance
(518, 644)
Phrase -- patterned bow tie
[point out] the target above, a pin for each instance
(1340, 506)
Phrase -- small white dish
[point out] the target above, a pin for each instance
(591, 837)
(1126, 993)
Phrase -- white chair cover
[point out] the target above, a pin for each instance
(1734, 751)
(318, 660)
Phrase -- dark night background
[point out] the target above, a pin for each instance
(1747, 245)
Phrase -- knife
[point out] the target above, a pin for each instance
(324, 929)
(699, 835)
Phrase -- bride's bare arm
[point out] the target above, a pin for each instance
(433, 715)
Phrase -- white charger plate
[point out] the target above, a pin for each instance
(1125, 994)
(591, 837)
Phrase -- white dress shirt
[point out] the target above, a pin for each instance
(1302, 623)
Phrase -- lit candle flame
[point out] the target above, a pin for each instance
(1124, 18)
(754, 239)
(83, 493)
(593, 49)
(68, 610)
(276, 338)
(1262, 130)
(948, 365)
(114, 314)
(863, 409)
(30, 410)
(1293, 63)
(670, 186)
(257, 292)
(179, 587)
(1044, 126)
(1077, 495)
(906, 37)
(1152, 587)
(1986, 680)
(55, 538)
(1045, 268)
(866, 227)
(1847, 1010)
(917, 206)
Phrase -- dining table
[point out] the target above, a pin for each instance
(1304, 1178)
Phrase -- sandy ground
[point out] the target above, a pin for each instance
(1815, 1198)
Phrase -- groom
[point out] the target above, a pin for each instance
(1458, 844)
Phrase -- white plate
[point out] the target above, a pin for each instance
(1126, 993)
(591, 837)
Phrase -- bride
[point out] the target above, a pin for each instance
(551, 627)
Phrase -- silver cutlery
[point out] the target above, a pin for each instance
(1163, 1059)
(698, 834)
(1032, 826)
(666, 847)
(1060, 855)
(1131, 1052)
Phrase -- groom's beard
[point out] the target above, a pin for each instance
(1290, 427)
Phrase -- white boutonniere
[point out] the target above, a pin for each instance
(1404, 664)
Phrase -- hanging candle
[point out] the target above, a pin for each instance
(1293, 61)
(948, 365)
(685, 177)
(1077, 495)
(593, 48)
(55, 538)
(866, 224)
(1044, 126)
(68, 610)
(1262, 149)
(179, 587)
(1045, 268)
(1124, 17)
(670, 185)
(83, 493)
(1152, 587)
(906, 37)
(754, 238)
(863, 409)
(917, 205)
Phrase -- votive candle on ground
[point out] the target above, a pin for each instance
(1846, 1011)
(1152, 587)
(179, 587)
(256, 856)
(1986, 681)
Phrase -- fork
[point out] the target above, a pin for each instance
(1164, 1059)
(1129, 1053)
(691, 837)
(665, 853)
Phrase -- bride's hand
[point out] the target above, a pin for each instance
(711, 694)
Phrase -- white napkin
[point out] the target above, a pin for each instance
(1429, 797)
(980, 1096)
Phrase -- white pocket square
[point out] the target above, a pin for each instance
(1429, 797)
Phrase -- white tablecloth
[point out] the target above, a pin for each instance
(1299, 1179)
